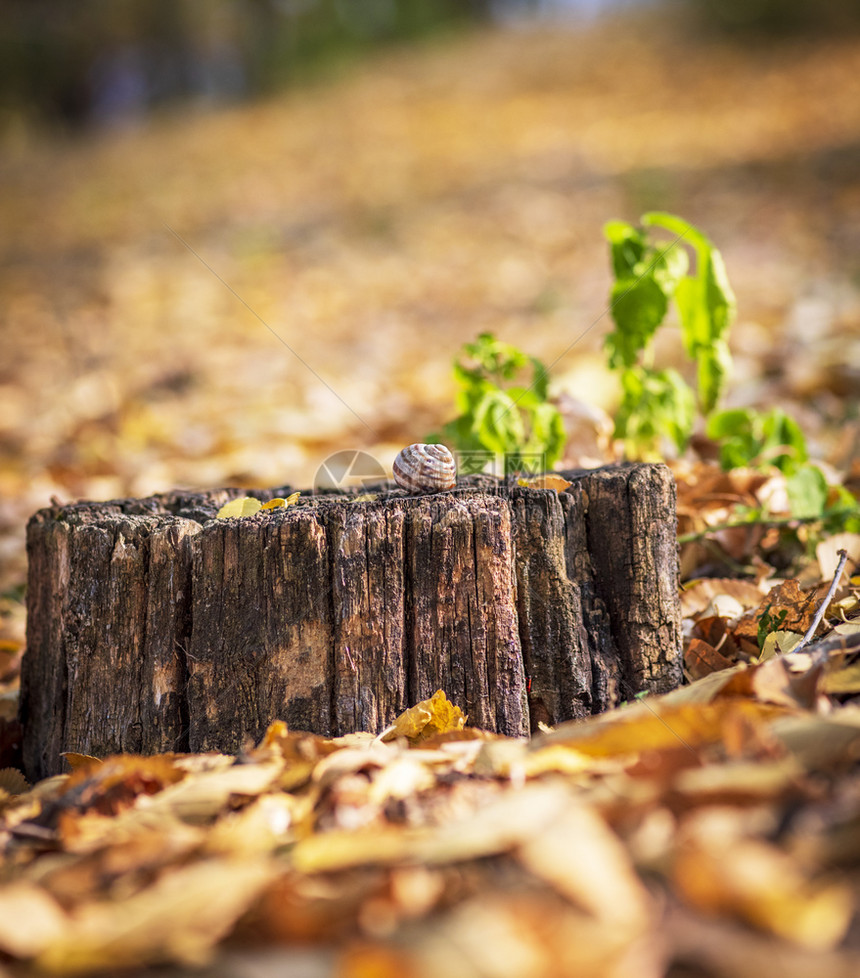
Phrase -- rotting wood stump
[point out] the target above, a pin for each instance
(154, 627)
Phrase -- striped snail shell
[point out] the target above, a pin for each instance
(425, 468)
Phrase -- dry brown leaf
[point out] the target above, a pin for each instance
(698, 596)
(701, 659)
(13, 782)
(179, 918)
(81, 762)
(578, 855)
(740, 783)
(664, 723)
(776, 681)
(300, 753)
(511, 934)
(495, 827)
(259, 828)
(715, 630)
(720, 947)
(326, 852)
(789, 608)
(756, 882)
(83, 832)
(202, 796)
(827, 552)
(822, 743)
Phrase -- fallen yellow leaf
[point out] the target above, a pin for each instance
(243, 506)
(545, 482)
(425, 719)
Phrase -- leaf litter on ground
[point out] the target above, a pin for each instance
(731, 800)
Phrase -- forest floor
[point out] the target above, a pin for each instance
(228, 296)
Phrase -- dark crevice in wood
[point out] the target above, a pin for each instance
(333, 649)
(408, 616)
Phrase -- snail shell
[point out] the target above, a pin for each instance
(425, 468)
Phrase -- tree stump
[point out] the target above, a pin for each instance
(154, 627)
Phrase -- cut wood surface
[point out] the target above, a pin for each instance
(154, 627)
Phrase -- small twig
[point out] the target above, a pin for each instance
(843, 557)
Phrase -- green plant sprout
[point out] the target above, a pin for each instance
(658, 406)
(651, 273)
(504, 408)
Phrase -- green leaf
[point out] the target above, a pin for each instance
(497, 423)
(493, 357)
(713, 365)
(461, 434)
(807, 492)
(783, 441)
(638, 307)
(706, 306)
(748, 437)
(842, 514)
(540, 379)
(669, 264)
(733, 431)
(627, 246)
(655, 404)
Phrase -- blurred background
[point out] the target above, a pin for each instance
(239, 237)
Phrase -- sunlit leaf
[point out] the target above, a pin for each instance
(243, 506)
(555, 482)
(779, 642)
(425, 719)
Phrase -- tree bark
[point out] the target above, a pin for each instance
(154, 627)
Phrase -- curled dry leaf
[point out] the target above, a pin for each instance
(701, 659)
(426, 719)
